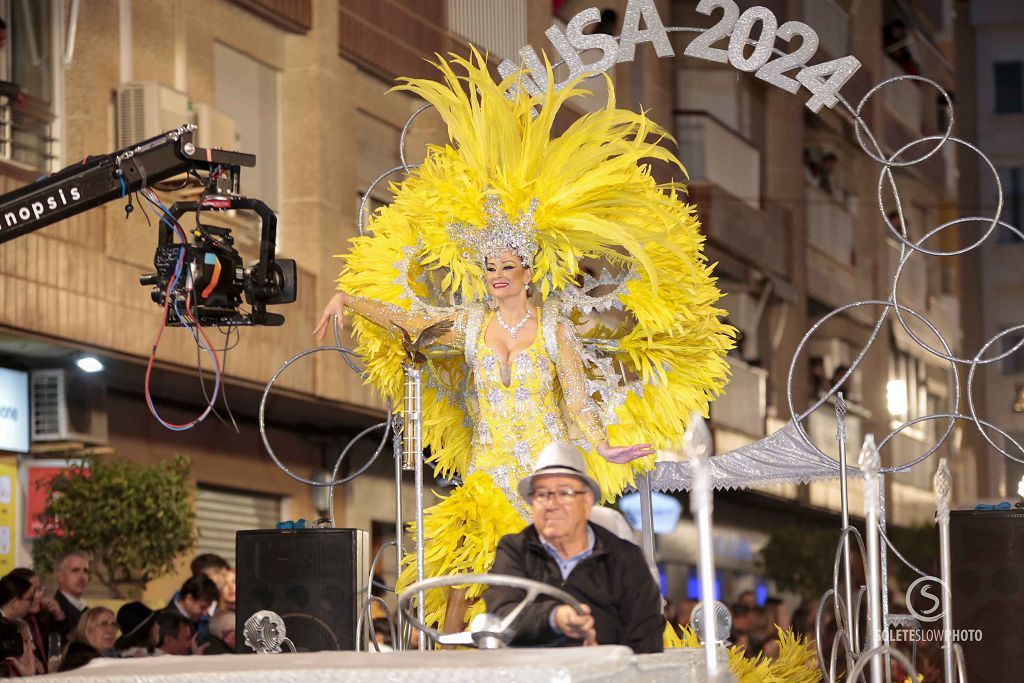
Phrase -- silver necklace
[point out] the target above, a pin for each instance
(514, 329)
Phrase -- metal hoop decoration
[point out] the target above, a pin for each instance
(798, 419)
(405, 133)
(860, 125)
(970, 397)
(370, 599)
(882, 650)
(360, 218)
(273, 454)
(994, 222)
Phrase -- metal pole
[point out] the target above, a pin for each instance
(701, 505)
(643, 485)
(943, 484)
(869, 465)
(844, 497)
(883, 566)
(419, 543)
(412, 447)
(396, 447)
(413, 418)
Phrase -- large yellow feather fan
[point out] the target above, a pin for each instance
(619, 255)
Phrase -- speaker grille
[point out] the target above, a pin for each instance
(987, 557)
(315, 579)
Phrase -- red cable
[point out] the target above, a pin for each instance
(152, 359)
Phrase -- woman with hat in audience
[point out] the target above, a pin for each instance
(138, 629)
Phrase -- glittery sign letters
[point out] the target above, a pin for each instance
(823, 80)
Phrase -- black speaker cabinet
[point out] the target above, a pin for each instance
(315, 579)
(987, 558)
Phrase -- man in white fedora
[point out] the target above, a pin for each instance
(564, 549)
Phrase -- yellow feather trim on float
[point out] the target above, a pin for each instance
(597, 204)
(796, 663)
(463, 531)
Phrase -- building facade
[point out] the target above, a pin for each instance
(993, 117)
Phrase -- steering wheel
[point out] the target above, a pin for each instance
(487, 631)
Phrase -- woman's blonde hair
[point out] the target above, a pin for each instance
(88, 620)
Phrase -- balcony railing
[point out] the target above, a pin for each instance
(830, 226)
(904, 98)
(743, 405)
(913, 285)
(713, 152)
(391, 37)
(832, 24)
(944, 313)
(495, 26)
(831, 230)
(821, 428)
(26, 136)
(292, 15)
(761, 237)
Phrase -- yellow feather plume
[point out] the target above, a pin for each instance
(796, 663)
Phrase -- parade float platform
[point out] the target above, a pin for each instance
(526, 665)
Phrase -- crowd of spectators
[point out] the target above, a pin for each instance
(753, 625)
(41, 633)
(754, 629)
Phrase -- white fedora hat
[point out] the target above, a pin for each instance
(559, 457)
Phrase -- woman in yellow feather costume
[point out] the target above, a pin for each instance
(490, 237)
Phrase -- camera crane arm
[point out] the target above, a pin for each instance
(98, 180)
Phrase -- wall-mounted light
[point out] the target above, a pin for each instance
(1020, 487)
(896, 397)
(89, 364)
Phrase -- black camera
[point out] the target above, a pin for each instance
(213, 275)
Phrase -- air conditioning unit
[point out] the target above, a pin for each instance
(147, 108)
(68, 406)
(215, 129)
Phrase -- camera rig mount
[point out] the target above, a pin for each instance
(214, 274)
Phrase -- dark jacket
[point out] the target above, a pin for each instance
(217, 645)
(78, 655)
(71, 613)
(42, 625)
(614, 581)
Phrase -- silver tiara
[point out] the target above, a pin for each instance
(500, 234)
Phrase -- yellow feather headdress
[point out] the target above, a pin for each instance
(608, 236)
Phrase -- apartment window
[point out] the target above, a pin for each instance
(906, 391)
(1009, 90)
(1012, 180)
(31, 60)
(1014, 363)
(246, 90)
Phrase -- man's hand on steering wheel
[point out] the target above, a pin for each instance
(576, 626)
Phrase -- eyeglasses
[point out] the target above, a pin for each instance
(106, 624)
(562, 496)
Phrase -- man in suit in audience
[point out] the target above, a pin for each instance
(72, 573)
